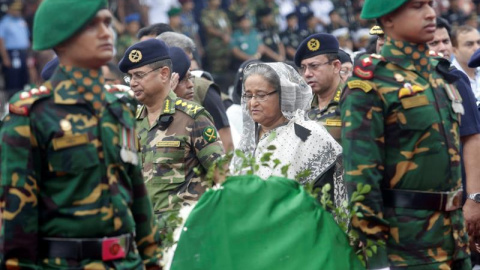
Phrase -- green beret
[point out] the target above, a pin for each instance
(57, 20)
(373, 9)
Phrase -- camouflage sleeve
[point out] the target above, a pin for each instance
(362, 114)
(207, 143)
(19, 199)
(147, 232)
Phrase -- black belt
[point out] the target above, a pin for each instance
(436, 201)
(106, 249)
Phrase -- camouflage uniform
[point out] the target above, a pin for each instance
(330, 115)
(62, 175)
(188, 140)
(400, 130)
(218, 53)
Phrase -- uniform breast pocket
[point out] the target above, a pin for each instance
(417, 118)
(72, 154)
(169, 162)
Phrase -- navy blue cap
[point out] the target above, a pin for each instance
(144, 53)
(316, 44)
(475, 60)
(49, 68)
(180, 61)
(134, 17)
(344, 57)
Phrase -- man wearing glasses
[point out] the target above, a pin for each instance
(176, 135)
(317, 57)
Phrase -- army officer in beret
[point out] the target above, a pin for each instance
(400, 114)
(176, 135)
(317, 57)
(73, 196)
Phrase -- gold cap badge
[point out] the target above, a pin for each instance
(135, 56)
(313, 44)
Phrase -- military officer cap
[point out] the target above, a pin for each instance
(180, 62)
(475, 60)
(58, 20)
(144, 53)
(376, 30)
(373, 9)
(314, 45)
(344, 57)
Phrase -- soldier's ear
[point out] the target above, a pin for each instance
(387, 21)
(166, 73)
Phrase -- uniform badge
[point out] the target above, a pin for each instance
(210, 134)
(135, 56)
(313, 44)
(358, 84)
(25, 95)
(408, 90)
(364, 74)
(398, 77)
(65, 125)
(366, 62)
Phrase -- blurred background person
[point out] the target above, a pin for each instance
(129, 36)
(465, 41)
(347, 65)
(14, 46)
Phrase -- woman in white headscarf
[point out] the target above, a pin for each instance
(274, 99)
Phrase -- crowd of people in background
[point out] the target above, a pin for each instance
(226, 32)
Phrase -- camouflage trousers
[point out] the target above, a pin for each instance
(462, 264)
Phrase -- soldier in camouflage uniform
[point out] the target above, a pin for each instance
(400, 116)
(317, 57)
(176, 135)
(73, 195)
(218, 30)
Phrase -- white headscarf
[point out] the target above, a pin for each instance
(295, 94)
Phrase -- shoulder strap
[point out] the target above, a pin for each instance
(22, 101)
(188, 107)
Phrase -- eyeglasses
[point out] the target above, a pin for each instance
(346, 72)
(258, 97)
(312, 66)
(137, 76)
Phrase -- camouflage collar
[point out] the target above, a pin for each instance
(334, 101)
(72, 85)
(410, 56)
(168, 106)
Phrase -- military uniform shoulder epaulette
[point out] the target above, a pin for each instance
(191, 108)
(365, 65)
(22, 101)
(443, 66)
(123, 93)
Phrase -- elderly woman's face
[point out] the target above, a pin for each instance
(263, 101)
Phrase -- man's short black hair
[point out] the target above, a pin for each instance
(442, 23)
(154, 29)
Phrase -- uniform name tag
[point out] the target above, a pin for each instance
(333, 122)
(415, 101)
(168, 144)
(69, 141)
